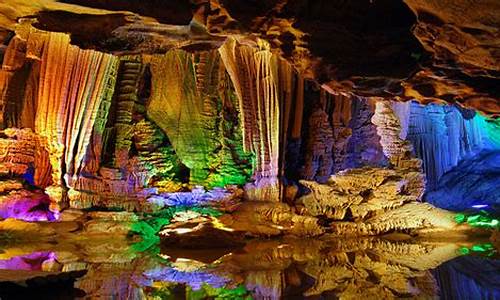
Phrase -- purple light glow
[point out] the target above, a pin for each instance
(198, 196)
(28, 207)
(194, 279)
(29, 262)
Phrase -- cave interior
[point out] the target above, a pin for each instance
(249, 149)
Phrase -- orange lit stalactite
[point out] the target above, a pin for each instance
(254, 73)
(72, 85)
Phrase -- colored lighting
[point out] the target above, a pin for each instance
(480, 206)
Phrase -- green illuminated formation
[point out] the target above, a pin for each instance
(165, 292)
(482, 249)
(492, 128)
(482, 219)
(194, 103)
(151, 223)
(209, 292)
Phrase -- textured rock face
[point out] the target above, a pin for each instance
(363, 195)
(270, 219)
(473, 181)
(453, 31)
(129, 106)
(437, 51)
(443, 135)
(319, 153)
(16, 202)
(451, 53)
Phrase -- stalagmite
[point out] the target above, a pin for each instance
(363, 146)
(319, 149)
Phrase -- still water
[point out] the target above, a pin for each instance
(363, 268)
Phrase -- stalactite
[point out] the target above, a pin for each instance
(298, 109)
(341, 118)
(441, 136)
(192, 102)
(287, 79)
(19, 78)
(72, 85)
(126, 96)
(180, 111)
(399, 151)
(254, 73)
(92, 159)
(10, 88)
(5, 77)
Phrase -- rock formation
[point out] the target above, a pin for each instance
(218, 121)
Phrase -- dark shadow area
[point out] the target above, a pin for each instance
(176, 12)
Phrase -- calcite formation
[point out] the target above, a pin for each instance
(257, 89)
(452, 133)
(398, 151)
(287, 116)
(361, 195)
(191, 101)
(229, 149)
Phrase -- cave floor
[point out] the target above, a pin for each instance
(65, 260)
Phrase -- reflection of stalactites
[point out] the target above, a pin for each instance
(266, 284)
(254, 73)
(73, 83)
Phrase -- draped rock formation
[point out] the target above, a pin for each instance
(442, 135)
(474, 181)
(63, 105)
(255, 77)
(193, 102)
(399, 152)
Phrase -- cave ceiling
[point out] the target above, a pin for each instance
(429, 50)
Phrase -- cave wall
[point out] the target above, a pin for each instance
(111, 131)
(443, 135)
(114, 129)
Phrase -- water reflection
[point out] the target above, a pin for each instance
(369, 268)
